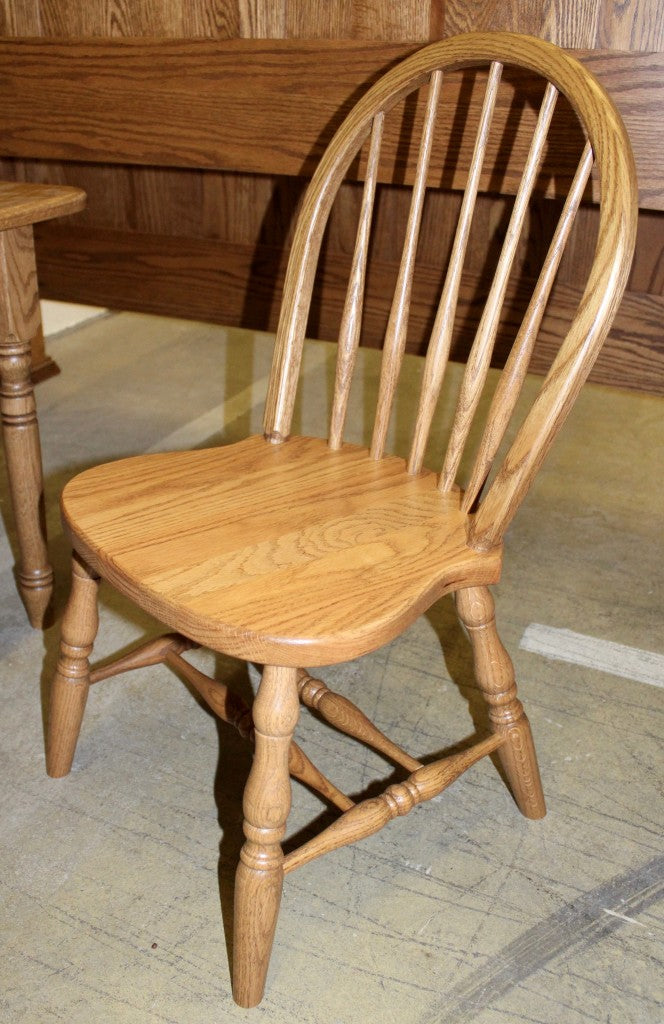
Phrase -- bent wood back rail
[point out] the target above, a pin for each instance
(297, 551)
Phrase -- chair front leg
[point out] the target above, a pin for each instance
(71, 682)
(267, 799)
(495, 677)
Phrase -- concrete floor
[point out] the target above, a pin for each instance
(117, 881)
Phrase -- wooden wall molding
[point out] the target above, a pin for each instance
(190, 152)
(246, 105)
(160, 274)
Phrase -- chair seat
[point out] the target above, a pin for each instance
(290, 554)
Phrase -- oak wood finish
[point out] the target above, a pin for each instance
(511, 380)
(352, 511)
(495, 678)
(266, 804)
(346, 717)
(294, 552)
(228, 706)
(232, 709)
(22, 203)
(394, 345)
(351, 321)
(69, 690)
(479, 357)
(19, 315)
(260, 91)
(112, 269)
(441, 336)
(21, 206)
(369, 816)
(616, 177)
(622, 42)
(153, 652)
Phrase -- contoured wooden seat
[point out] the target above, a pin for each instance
(296, 551)
(243, 572)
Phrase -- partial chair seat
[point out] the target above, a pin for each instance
(291, 554)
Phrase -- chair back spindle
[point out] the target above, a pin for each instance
(397, 325)
(512, 377)
(482, 348)
(351, 321)
(606, 147)
(441, 336)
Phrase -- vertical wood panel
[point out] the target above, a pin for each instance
(261, 20)
(494, 16)
(20, 19)
(632, 25)
(571, 24)
(212, 19)
(396, 22)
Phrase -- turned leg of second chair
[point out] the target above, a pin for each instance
(19, 321)
(495, 677)
(266, 804)
(69, 690)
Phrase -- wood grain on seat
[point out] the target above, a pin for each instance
(291, 553)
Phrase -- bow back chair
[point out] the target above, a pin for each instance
(296, 552)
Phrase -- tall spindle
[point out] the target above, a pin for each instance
(480, 353)
(441, 336)
(395, 338)
(511, 379)
(351, 321)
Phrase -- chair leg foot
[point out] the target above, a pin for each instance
(266, 804)
(495, 678)
(71, 682)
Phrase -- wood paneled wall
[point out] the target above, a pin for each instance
(210, 244)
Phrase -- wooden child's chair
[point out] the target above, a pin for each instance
(296, 551)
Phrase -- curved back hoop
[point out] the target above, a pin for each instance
(607, 144)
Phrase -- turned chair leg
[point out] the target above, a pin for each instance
(266, 804)
(495, 678)
(19, 322)
(70, 686)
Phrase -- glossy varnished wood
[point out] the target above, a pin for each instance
(22, 205)
(438, 349)
(293, 552)
(261, 91)
(394, 345)
(19, 321)
(369, 816)
(347, 718)
(616, 237)
(479, 356)
(518, 361)
(69, 689)
(210, 279)
(227, 705)
(187, 208)
(351, 321)
(495, 678)
(267, 797)
(267, 524)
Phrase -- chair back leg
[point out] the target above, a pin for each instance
(495, 678)
(69, 690)
(267, 800)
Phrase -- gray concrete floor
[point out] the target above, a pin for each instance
(116, 882)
